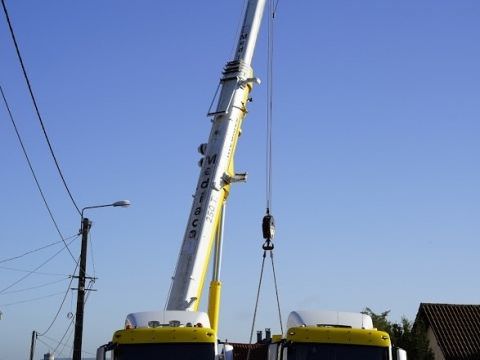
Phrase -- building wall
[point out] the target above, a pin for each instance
(434, 345)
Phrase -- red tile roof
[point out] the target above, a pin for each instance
(456, 328)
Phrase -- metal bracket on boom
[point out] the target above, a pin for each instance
(250, 80)
(240, 177)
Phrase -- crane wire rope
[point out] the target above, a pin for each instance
(40, 190)
(256, 303)
(271, 31)
(268, 222)
(27, 80)
(276, 293)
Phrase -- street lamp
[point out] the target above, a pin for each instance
(86, 224)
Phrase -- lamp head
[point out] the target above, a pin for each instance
(121, 203)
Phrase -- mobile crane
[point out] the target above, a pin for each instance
(181, 332)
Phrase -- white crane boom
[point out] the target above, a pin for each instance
(217, 167)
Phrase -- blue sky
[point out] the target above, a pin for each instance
(375, 182)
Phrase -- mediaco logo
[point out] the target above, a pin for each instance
(200, 199)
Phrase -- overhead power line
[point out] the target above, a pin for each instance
(33, 271)
(27, 80)
(61, 304)
(33, 299)
(35, 287)
(33, 172)
(34, 250)
(61, 342)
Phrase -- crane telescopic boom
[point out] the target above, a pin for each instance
(217, 172)
(181, 332)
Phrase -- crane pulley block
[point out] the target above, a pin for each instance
(268, 227)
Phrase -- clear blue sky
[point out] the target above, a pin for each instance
(376, 176)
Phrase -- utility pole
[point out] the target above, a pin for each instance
(32, 344)
(77, 341)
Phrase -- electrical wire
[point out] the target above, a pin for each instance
(33, 172)
(63, 337)
(89, 287)
(34, 287)
(48, 346)
(27, 80)
(28, 252)
(60, 353)
(33, 271)
(35, 250)
(92, 257)
(31, 300)
(57, 342)
(61, 304)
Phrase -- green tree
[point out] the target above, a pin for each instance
(403, 334)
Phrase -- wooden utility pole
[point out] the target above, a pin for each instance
(32, 344)
(77, 340)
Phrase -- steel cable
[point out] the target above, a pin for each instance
(256, 303)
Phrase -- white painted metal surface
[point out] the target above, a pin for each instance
(249, 32)
(194, 253)
(321, 317)
(147, 319)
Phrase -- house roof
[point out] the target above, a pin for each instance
(456, 328)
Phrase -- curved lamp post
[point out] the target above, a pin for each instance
(86, 224)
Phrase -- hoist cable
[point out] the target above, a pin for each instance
(27, 80)
(270, 37)
(276, 292)
(256, 303)
(275, 8)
